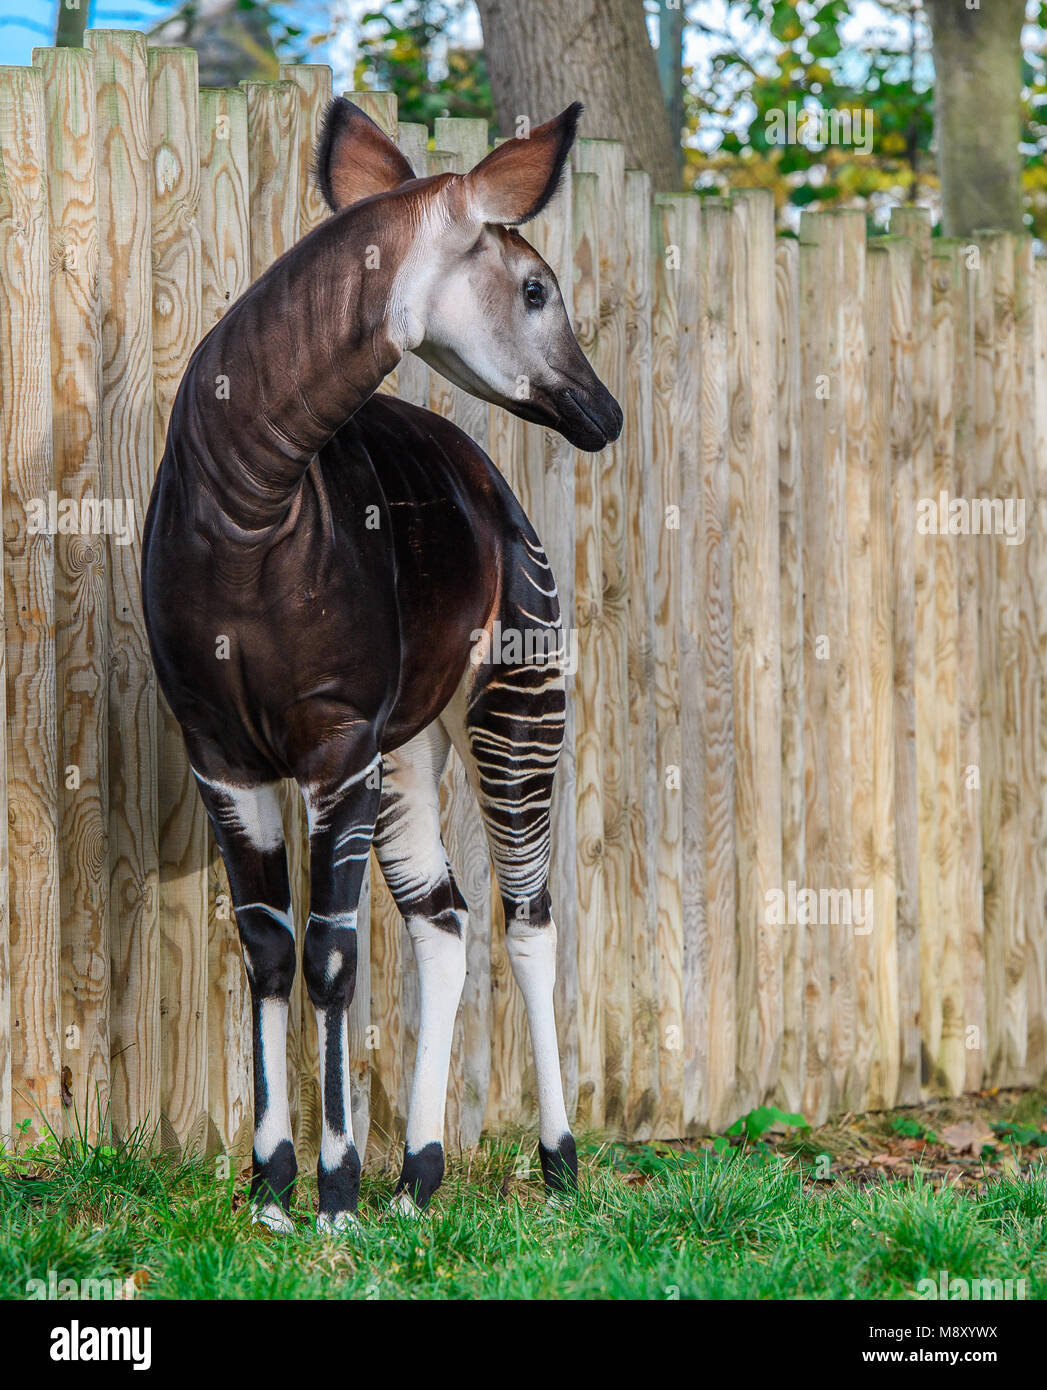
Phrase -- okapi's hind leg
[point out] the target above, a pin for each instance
(415, 866)
(342, 808)
(249, 832)
(507, 723)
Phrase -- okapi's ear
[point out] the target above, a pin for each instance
(516, 180)
(354, 159)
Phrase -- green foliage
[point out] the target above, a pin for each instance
(912, 1129)
(1022, 1135)
(404, 48)
(798, 59)
(812, 54)
(751, 1128)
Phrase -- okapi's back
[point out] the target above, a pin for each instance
(451, 518)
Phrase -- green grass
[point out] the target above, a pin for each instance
(650, 1222)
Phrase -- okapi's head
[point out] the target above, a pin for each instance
(468, 294)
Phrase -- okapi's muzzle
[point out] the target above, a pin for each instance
(589, 420)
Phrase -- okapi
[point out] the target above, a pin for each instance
(350, 547)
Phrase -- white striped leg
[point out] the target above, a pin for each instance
(249, 833)
(507, 724)
(415, 865)
(341, 825)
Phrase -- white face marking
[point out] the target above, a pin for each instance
(275, 1124)
(254, 811)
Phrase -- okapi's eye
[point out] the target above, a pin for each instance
(534, 293)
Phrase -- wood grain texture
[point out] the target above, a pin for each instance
(883, 1073)
(948, 1064)
(899, 252)
(991, 701)
(31, 729)
(849, 230)
(968, 681)
(790, 546)
(842, 1023)
(128, 464)
(755, 567)
(606, 159)
(174, 137)
(718, 668)
(1038, 1056)
(589, 689)
(1025, 558)
(643, 775)
(690, 537)
(914, 223)
(1007, 674)
(668, 251)
(813, 351)
(225, 273)
(81, 586)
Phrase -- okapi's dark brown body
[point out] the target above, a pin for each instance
(358, 603)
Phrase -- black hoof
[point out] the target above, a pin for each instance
(273, 1180)
(339, 1188)
(421, 1174)
(560, 1165)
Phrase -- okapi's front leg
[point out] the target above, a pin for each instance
(341, 825)
(250, 835)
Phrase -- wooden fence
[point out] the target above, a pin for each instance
(799, 839)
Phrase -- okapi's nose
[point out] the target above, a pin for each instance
(591, 418)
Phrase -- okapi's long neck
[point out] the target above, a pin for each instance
(288, 365)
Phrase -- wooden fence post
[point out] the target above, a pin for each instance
(669, 248)
(606, 159)
(757, 641)
(814, 298)
(949, 1060)
(718, 664)
(589, 691)
(128, 465)
(174, 141)
(903, 528)
(643, 771)
(31, 733)
(81, 587)
(791, 545)
(883, 1072)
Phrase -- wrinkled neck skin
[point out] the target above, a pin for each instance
(286, 367)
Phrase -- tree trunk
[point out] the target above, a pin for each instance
(977, 66)
(72, 21)
(544, 54)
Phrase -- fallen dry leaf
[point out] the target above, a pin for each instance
(967, 1136)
